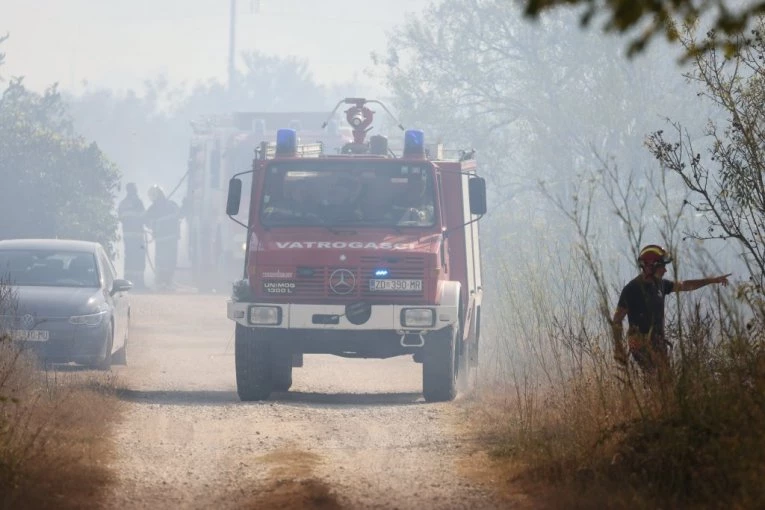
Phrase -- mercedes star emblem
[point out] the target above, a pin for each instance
(342, 281)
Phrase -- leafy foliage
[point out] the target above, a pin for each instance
(539, 103)
(727, 186)
(651, 19)
(148, 132)
(267, 83)
(55, 184)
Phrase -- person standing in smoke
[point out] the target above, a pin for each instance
(642, 303)
(131, 214)
(163, 217)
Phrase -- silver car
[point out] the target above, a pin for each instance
(63, 299)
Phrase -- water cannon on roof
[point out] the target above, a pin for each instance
(359, 116)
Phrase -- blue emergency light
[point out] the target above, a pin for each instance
(381, 272)
(286, 142)
(414, 142)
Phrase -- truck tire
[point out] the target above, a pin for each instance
(439, 365)
(281, 368)
(252, 355)
(467, 376)
(464, 381)
(473, 353)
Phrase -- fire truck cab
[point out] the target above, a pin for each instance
(368, 253)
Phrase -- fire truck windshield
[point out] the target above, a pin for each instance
(348, 193)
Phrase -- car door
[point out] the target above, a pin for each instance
(122, 303)
(116, 301)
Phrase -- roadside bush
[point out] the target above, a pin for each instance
(703, 444)
(54, 429)
(602, 437)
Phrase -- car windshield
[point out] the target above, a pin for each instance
(52, 268)
(359, 194)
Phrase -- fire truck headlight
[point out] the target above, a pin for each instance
(418, 317)
(265, 315)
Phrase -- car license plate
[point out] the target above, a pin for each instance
(395, 285)
(32, 335)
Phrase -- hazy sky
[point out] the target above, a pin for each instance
(119, 44)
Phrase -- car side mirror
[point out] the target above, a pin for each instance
(477, 195)
(120, 285)
(234, 196)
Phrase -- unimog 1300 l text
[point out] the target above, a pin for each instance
(369, 253)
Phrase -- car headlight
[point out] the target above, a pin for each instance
(418, 317)
(93, 319)
(265, 315)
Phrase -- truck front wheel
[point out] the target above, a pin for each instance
(281, 368)
(439, 365)
(252, 353)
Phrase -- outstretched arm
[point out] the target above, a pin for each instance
(697, 284)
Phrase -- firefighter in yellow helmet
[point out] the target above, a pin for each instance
(163, 218)
(642, 302)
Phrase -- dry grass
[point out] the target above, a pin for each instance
(482, 426)
(54, 434)
(574, 431)
(286, 494)
(622, 442)
(291, 484)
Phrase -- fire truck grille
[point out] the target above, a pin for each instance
(345, 283)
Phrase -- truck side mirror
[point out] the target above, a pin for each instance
(235, 196)
(477, 194)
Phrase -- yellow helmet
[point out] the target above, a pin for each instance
(653, 255)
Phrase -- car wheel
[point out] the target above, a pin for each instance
(106, 362)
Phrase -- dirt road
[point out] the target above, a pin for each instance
(352, 434)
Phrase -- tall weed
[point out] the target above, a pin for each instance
(602, 436)
(54, 428)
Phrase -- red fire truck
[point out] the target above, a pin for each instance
(221, 146)
(369, 253)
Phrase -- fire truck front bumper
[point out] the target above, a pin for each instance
(340, 317)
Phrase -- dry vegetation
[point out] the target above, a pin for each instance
(577, 432)
(615, 443)
(292, 484)
(54, 432)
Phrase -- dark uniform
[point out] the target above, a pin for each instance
(131, 214)
(163, 217)
(644, 301)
